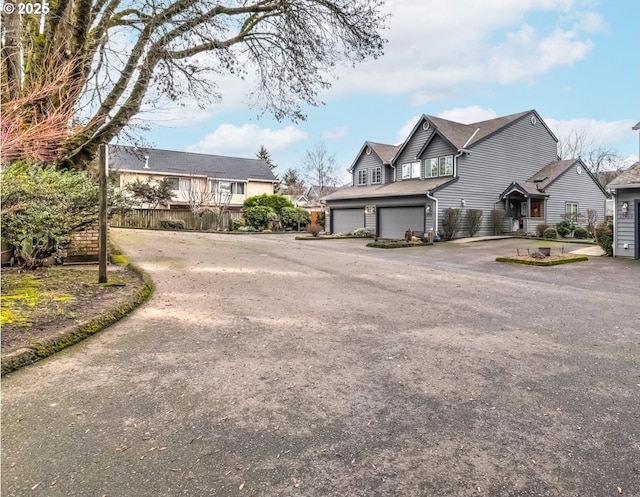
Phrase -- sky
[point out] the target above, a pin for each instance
(574, 61)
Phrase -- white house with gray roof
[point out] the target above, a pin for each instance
(508, 163)
(239, 177)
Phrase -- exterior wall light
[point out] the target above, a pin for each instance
(624, 209)
(463, 202)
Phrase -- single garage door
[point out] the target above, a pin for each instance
(394, 221)
(347, 220)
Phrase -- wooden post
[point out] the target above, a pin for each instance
(102, 215)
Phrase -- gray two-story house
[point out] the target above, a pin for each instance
(508, 163)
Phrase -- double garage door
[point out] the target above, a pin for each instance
(394, 221)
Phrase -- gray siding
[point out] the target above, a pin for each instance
(626, 226)
(576, 188)
(369, 163)
(514, 154)
(412, 148)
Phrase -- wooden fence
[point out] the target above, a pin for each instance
(150, 218)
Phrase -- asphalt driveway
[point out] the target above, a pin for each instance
(266, 366)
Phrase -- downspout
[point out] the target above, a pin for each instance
(455, 174)
(435, 213)
(615, 221)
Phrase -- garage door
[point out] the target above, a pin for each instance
(394, 221)
(347, 220)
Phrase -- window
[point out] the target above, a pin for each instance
(377, 176)
(411, 170)
(439, 166)
(362, 177)
(184, 184)
(571, 211)
(174, 183)
(238, 188)
(446, 165)
(537, 207)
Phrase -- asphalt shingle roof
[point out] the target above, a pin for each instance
(188, 163)
(549, 173)
(630, 177)
(397, 189)
(459, 134)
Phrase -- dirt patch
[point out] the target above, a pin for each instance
(540, 260)
(39, 304)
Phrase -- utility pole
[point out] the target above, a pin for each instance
(102, 214)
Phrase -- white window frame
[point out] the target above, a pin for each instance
(362, 177)
(238, 188)
(438, 166)
(411, 170)
(569, 213)
(376, 175)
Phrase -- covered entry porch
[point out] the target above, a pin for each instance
(524, 209)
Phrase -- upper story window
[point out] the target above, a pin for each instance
(226, 187)
(376, 176)
(179, 184)
(439, 166)
(411, 170)
(362, 177)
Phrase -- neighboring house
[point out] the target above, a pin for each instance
(626, 212)
(508, 163)
(190, 173)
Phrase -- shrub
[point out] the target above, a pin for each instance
(172, 224)
(314, 229)
(247, 229)
(451, 222)
(550, 234)
(41, 207)
(238, 223)
(294, 217)
(580, 233)
(360, 232)
(276, 202)
(541, 228)
(564, 228)
(258, 216)
(497, 220)
(322, 216)
(604, 237)
(474, 216)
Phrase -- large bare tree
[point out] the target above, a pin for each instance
(320, 168)
(604, 162)
(121, 54)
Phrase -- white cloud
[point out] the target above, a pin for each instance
(438, 50)
(245, 140)
(336, 133)
(467, 115)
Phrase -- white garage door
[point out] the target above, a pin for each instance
(394, 221)
(347, 220)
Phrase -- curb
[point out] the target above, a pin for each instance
(48, 346)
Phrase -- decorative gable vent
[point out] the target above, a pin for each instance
(533, 120)
(425, 125)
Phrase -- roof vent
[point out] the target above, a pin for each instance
(540, 179)
(146, 162)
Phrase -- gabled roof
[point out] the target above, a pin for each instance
(628, 179)
(526, 188)
(396, 189)
(549, 173)
(170, 162)
(384, 152)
